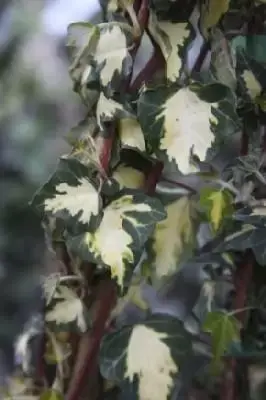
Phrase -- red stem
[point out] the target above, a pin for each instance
(242, 280)
(153, 177)
(90, 342)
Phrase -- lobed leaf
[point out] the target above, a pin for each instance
(224, 329)
(173, 39)
(126, 225)
(113, 62)
(151, 354)
(176, 120)
(70, 194)
(68, 309)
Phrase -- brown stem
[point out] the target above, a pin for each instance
(153, 177)
(90, 342)
(242, 279)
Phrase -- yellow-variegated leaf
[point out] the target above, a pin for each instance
(218, 204)
(129, 177)
(68, 309)
(81, 39)
(173, 238)
(111, 55)
(179, 120)
(211, 13)
(108, 110)
(131, 134)
(126, 225)
(127, 355)
(70, 194)
(252, 85)
(172, 37)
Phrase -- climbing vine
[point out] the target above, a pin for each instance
(166, 155)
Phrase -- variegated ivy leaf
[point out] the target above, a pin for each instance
(147, 356)
(112, 61)
(248, 237)
(87, 143)
(210, 14)
(129, 177)
(126, 225)
(111, 7)
(173, 238)
(70, 194)
(251, 74)
(172, 38)
(218, 204)
(177, 120)
(131, 134)
(109, 110)
(68, 309)
(81, 40)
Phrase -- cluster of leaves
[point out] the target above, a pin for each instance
(157, 158)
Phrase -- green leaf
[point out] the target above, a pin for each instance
(130, 134)
(211, 13)
(255, 214)
(129, 353)
(172, 38)
(68, 309)
(218, 204)
(174, 238)
(70, 194)
(175, 120)
(129, 177)
(51, 394)
(224, 329)
(248, 237)
(126, 225)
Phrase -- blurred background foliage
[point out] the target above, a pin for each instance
(37, 109)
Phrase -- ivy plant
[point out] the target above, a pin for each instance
(163, 188)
